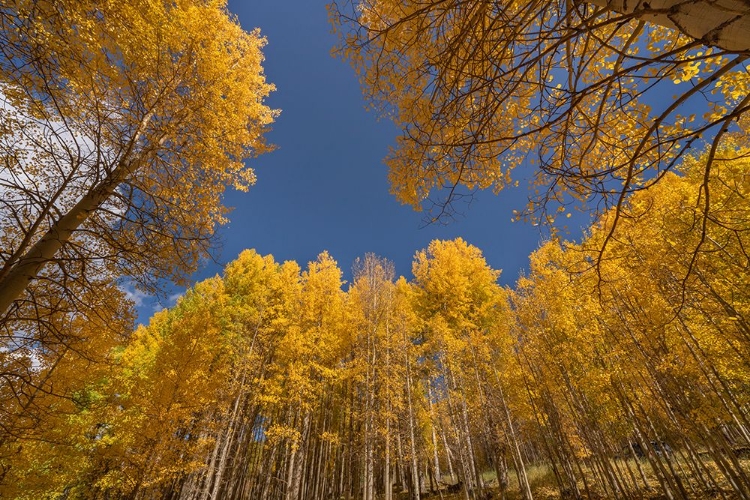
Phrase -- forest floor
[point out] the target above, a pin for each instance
(554, 494)
(544, 487)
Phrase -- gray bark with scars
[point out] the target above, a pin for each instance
(719, 23)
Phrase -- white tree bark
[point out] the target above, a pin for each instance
(720, 23)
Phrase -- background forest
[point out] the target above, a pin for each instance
(273, 382)
(618, 366)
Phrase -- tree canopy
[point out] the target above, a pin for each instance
(121, 125)
(275, 382)
(590, 100)
(123, 122)
(617, 375)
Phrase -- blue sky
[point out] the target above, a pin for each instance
(325, 187)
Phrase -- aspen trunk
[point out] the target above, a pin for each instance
(228, 441)
(448, 455)
(435, 456)
(387, 483)
(722, 23)
(297, 464)
(400, 474)
(412, 439)
(17, 275)
(523, 479)
(369, 465)
(415, 490)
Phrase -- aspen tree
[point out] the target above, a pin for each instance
(123, 124)
(53, 401)
(371, 297)
(573, 92)
(458, 296)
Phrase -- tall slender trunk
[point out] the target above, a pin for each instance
(523, 479)
(228, 440)
(415, 493)
(448, 455)
(16, 276)
(400, 478)
(435, 455)
(723, 23)
(369, 434)
(387, 465)
(297, 464)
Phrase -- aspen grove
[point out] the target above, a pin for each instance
(275, 382)
(617, 366)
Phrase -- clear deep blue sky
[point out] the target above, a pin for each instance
(325, 187)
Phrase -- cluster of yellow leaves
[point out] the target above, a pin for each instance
(480, 89)
(150, 109)
(589, 354)
(649, 340)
